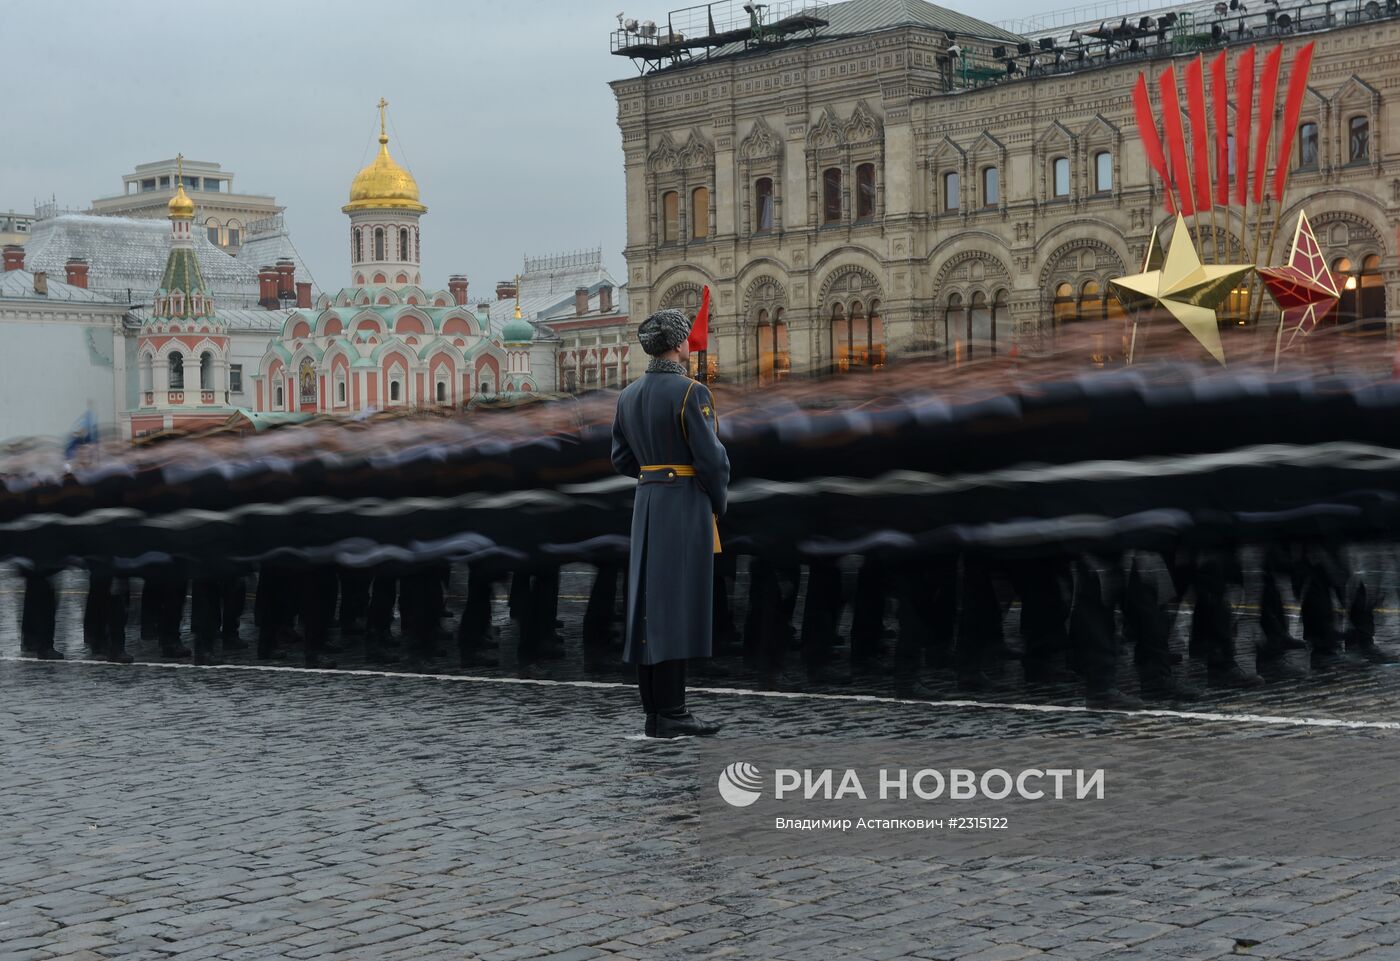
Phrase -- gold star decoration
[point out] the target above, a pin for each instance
(1186, 288)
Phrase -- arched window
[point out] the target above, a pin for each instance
(951, 189)
(404, 253)
(1307, 146)
(840, 338)
(206, 371)
(1358, 139)
(980, 335)
(865, 192)
(278, 401)
(177, 371)
(831, 195)
(379, 243)
(235, 233)
(359, 245)
(211, 227)
(1372, 284)
(670, 217)
(1059, 176)
(442, 392)
(876, 346)
(991, 187)
(1062, 308)
(1001, 339)
(858, 349)
(700, 213)
(954, 328)
(340, 387)
(1103, 172)
(395, 390)
(763, 204)
(1091, 301)
(773, 359)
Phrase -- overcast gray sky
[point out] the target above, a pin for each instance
(500, 108)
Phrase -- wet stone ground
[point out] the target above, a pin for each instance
(156, 813)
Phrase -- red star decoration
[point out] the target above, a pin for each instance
(1305, 290)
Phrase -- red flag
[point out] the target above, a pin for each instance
(1151, 142)
(1221, 132)
(1292, 107)
(699, 338)
(1244, 122)
(1268, 93)
(1200, 132)
(1176, 141)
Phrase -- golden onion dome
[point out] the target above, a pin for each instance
(181, 206)
(384, 184)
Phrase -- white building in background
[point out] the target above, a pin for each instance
(15, 227)
(127, 257)
(221, 214)
(63, 349)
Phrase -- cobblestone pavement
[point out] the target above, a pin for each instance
(238, 815)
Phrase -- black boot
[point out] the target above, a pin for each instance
(683, 724)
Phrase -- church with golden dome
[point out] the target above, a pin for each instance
(182, 350)
(386, 340)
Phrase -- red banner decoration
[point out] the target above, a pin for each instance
(1268, 93)
(1176, 141)
(1200, 132)
(699, 338)
(1221, 131)
(1292, 107)
(1244, 122)
(1151, 142)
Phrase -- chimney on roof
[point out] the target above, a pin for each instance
(580, 301)
(267, 287)
(14, 257)
(505, 290)
(77, 270)
(286, 279)
(605, 304)
(41, 282)
(483, 308)
(303, 293)
(457, 283)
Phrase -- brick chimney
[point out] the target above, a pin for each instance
(41, 282)
(303, 293)
(457, 283)
(267, 287)
(580, 301)
(77, 269)
(505, 290)
(14, 257)
(286, 279)
(605, 304)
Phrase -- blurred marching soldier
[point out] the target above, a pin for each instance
(38, 619)
(598, 618)
(1091, 629)
(104, 619)
(664, 434)
(474, 631)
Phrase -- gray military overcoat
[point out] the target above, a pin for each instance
(667, 418)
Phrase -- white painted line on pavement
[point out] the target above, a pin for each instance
(1274, 719)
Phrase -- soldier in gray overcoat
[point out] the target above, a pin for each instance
(664, 434)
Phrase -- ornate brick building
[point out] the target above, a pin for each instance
(905, 178)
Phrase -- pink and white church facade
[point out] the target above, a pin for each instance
(387, 341)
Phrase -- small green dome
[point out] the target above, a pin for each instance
(517, 330)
